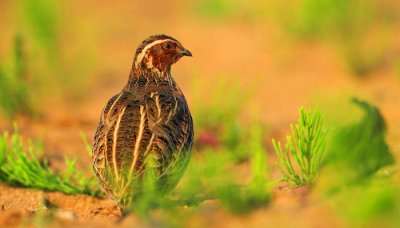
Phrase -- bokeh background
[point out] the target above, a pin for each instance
(60, 61)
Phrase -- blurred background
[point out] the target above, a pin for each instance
(60, 61)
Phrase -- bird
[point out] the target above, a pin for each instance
(145, 127)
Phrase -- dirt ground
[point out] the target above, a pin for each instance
(288, 74)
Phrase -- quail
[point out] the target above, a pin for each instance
(147, 126)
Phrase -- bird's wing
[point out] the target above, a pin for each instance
(172, 134)
(137, 132)
(104, 160)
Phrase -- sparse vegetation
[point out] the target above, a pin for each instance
(20, 166)
(209, 177)
(349, 25)
(350, 180)
(370, 202)
(14, 97)
(40, 19)
(37, 62)
(339, 165)
(220, 116)
(305, 148)
(216, 9)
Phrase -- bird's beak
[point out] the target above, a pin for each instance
(186, 52)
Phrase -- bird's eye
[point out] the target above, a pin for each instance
(167, 46)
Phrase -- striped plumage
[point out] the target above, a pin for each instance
(146, 126)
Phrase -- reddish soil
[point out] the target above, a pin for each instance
(287, 74)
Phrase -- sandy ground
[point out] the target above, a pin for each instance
(283, 74)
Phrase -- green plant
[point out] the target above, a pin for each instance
(243, 198)
(305, 147)
(14, 97)
(220, 115)
(354, 180)
(350, 25)
(216, 8)
(85, 141)
(20, 167)
(223, 105)
(211, 176)
(322, 18)
(396, 68)
(369, 201)
(41, 19)
(52, 64)
(361, 145)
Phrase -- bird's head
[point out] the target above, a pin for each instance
(156, 54)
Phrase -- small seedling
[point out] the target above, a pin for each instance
(305, 148)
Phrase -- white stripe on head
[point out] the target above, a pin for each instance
(140, 56)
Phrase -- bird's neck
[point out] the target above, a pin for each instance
(145, 76)
(158, 72)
